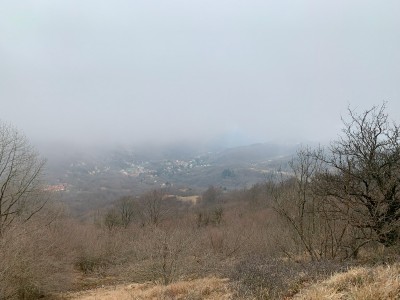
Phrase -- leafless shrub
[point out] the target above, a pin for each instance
(112, 219)
(260, 278)
(98, 250)
(210, 217)
(211, 196)
(33, 262)
(162, 254)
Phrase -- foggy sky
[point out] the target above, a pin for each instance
(130, 71)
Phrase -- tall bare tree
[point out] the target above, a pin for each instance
(363, 175)
(20, 178)
(347, 195)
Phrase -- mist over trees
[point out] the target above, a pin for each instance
(332, 207)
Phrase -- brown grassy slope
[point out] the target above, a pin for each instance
(366, 283)
(205, 288)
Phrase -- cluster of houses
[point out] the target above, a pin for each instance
(56, 188)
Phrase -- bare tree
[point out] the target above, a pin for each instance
(127, 208)
(154, 208)
(112, 219)
(20, 178)
(363, 175)
(313, 221)
(211, 195)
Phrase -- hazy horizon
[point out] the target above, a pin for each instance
(238, 72)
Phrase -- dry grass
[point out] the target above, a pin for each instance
(366, 283)
(205, 288)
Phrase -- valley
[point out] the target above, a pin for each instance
(85, 181)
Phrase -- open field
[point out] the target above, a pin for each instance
(206, 288)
